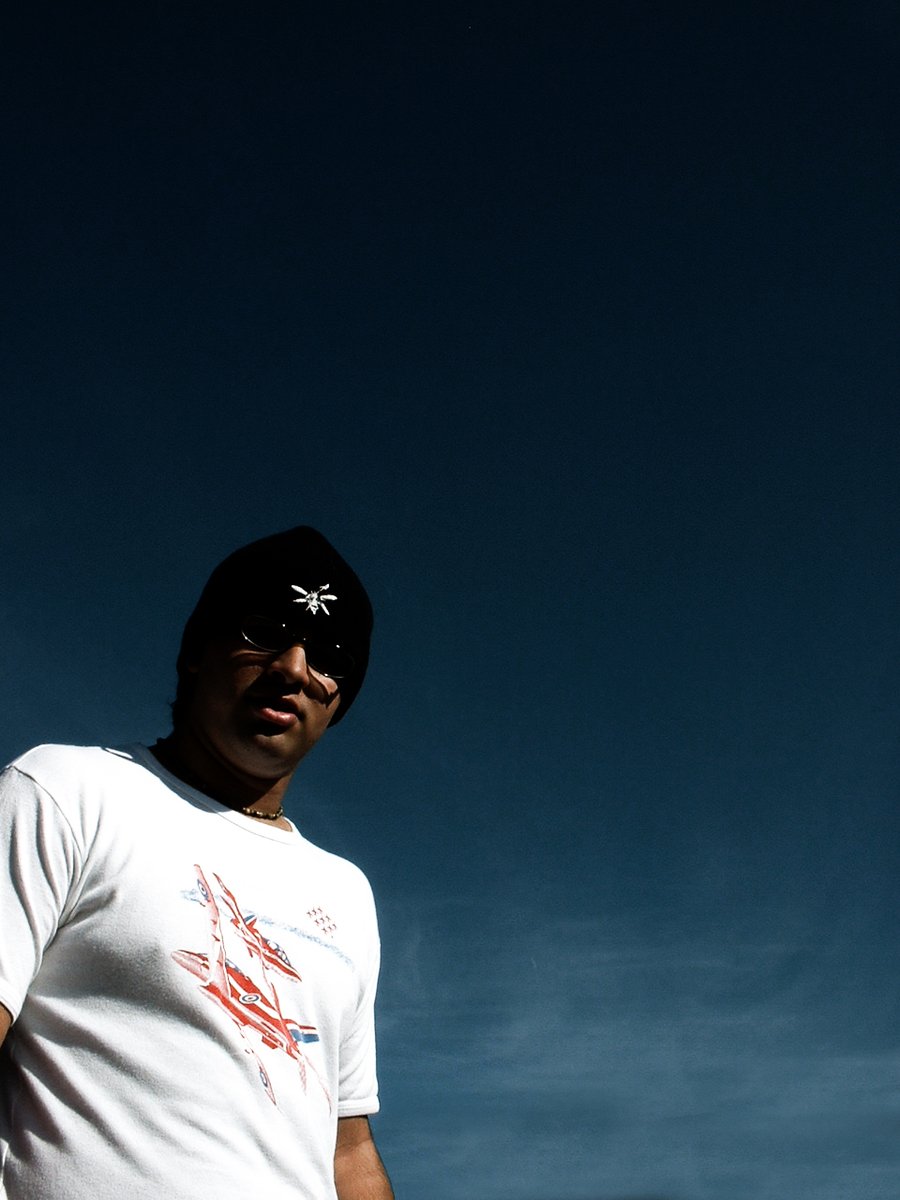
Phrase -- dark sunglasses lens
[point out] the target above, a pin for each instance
(329, 660)
(266, 634)
(326, 658)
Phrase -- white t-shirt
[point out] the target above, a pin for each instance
(192, 990)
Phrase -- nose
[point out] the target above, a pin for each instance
(292, 665)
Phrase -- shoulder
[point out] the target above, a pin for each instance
(336, 867)
(338, 886)
(88, 796)
(76, 778)
(52, 764)
(49, 756)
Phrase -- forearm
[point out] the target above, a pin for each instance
(359, 1173)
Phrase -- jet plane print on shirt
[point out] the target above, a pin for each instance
(245, 989)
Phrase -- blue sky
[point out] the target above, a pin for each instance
(575, 328)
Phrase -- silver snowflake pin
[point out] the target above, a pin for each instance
(314, 600)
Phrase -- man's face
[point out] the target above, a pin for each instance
(258, 712)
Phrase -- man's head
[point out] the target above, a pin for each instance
(290, 588)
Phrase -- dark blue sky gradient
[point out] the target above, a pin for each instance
(575, 328)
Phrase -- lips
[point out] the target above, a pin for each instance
(280, 710)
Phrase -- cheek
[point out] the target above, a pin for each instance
(317, 724)
(226, 672)
(330, 708)
(218, 685)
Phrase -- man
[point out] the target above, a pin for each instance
(188, 984)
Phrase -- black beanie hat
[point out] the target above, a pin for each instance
(297, 576)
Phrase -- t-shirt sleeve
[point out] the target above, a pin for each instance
(358, 1091)
(39, 862)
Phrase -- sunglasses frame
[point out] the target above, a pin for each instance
(293, 637)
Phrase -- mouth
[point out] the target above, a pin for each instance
(282, 711)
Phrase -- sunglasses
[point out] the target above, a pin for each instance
(274, 637)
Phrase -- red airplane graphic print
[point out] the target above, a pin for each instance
(245, 989)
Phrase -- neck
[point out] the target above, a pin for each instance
(260, 799)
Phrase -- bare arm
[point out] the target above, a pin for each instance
(359, 1173)
(5, 1022)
